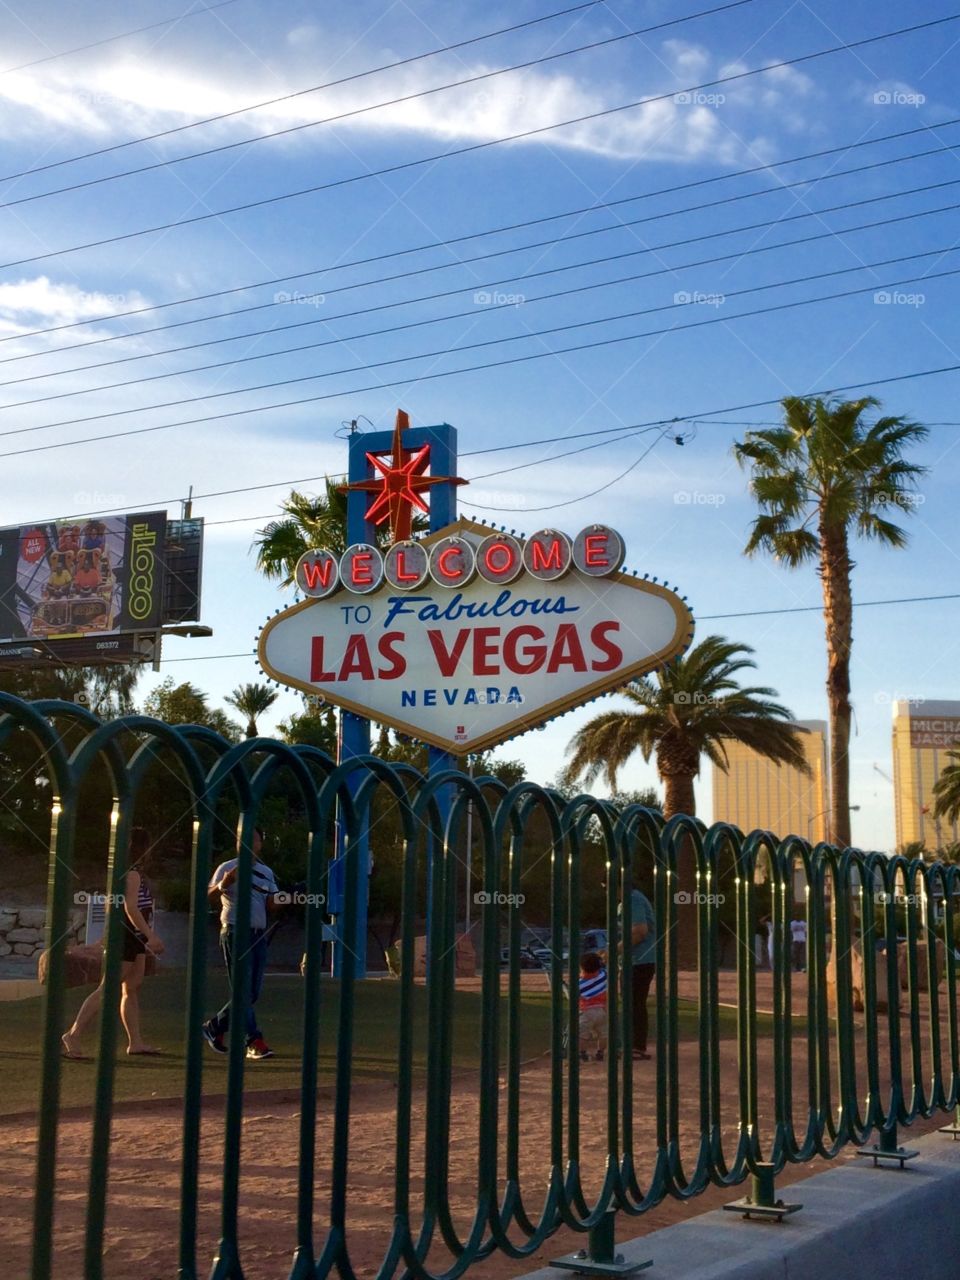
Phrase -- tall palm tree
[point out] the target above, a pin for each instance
(821, 478)
(307, 524)
(946, 789)
(252, 700)
(691, 708)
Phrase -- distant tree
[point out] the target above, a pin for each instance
(186, 704)
(314, 727)
(252, 700)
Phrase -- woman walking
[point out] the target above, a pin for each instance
(138, 940)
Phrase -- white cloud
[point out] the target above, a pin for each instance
(33, 303)
(124, 97)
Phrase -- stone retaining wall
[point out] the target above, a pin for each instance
(22, 931)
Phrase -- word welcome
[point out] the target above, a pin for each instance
(453, 561)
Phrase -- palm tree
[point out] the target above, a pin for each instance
(691, 708)
(252, 700)
(946, 789)
(820, 479)
(307, 524)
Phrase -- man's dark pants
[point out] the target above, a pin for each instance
(642, 977)
(220, 1022)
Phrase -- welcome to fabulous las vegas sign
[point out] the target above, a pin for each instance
(470, 636)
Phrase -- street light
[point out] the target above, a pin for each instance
(854, 808)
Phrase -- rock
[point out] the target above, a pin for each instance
(32, 917)
(23, 948)
(82, 965)
(5, 948)
(8, 920)
(25, 935)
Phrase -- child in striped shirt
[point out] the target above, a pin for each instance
(593, 1006)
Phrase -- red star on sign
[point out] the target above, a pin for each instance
(399, 486)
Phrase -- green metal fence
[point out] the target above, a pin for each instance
(867, 1072)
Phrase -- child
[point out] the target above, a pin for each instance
(593, 1005)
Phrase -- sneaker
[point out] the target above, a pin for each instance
(213, 1038)
(259, 1049)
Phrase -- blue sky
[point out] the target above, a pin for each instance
(683, 511)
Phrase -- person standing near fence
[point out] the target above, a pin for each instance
(643, 954)
(798, 940)
(223, 889)
(593, 1006)
(138, 940)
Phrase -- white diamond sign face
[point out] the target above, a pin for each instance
(465, 667)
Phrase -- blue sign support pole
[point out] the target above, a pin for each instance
(355, 730)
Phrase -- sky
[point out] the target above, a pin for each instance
(691, 293)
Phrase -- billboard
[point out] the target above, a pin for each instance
(469, 638)
(74, 580)
(940, 732)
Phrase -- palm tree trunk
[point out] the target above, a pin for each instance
(835, 570)
(679, 798)
(251, 728)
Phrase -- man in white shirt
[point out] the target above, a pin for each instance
(798, 936)
(223, 886)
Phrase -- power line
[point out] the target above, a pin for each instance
(523, 337)
(430, 377)
(478, 146)
(818, 608)
(473, 235)
(96, 44)
(673, 269)
(358, 111)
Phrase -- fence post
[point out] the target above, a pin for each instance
(600, 1257)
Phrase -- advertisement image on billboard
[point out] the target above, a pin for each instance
(74, 579)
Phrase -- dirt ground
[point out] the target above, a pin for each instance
(144, 1180)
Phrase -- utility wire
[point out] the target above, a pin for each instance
(478, 146)
(478, 78)
(485, 312)
(430, 377)
(96, 44)
(473, 235)
(942, 250)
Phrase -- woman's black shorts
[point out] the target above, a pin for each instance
(134, 943)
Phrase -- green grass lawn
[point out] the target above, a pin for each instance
(281, 1014)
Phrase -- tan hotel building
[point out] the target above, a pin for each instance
(923, 732)
(755, 792)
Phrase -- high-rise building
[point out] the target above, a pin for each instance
(756, 792)
(923, 733)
